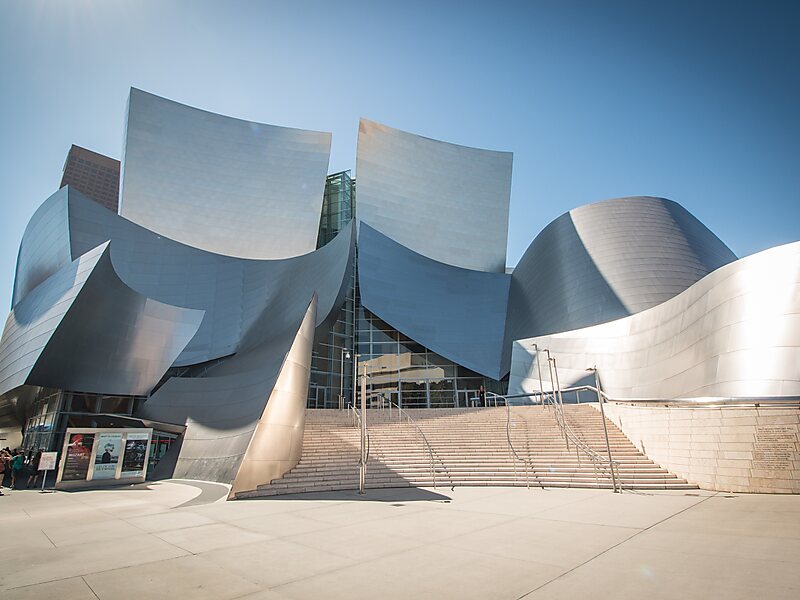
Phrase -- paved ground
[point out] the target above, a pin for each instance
(175, 540)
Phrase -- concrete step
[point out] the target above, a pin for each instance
(470, 447)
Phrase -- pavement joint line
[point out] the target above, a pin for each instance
(48, 538)
(615, 546)
(91, 589)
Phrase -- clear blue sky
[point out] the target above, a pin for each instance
(696, 101)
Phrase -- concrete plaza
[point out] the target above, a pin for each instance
(182, 540)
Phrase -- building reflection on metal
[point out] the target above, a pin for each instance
(734, 333)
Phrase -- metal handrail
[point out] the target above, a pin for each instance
(525, 461)
(599, 461)
(363, 456)
(401, 412)
(697, 401)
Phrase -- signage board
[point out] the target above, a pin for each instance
(47, 462)
(135, 457)
(77, 457)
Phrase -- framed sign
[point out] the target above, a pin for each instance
(102, 456)
(47, 462)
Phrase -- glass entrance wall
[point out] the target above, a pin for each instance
(331, 368)
(404, 372)
(40, 428)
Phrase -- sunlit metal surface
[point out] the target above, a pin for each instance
(277, 442)
(735, 333)
(235, 293)
(225, 185)
(457, 313)
(44, 248)
(447, 202)
(608, 260)
(84, 329)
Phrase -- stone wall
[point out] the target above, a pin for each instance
(731, 449)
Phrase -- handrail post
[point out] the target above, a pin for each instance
(362, 470)
(605, 427)
(538, 368)
(553, 379)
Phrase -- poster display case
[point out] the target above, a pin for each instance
(95, 457)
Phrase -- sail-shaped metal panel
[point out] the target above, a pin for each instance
(225, 185)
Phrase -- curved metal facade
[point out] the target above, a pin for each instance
(44, 248)
(455, 312)
(608, 260)
(234, 293)
(444, 201)
(84, 329)
(221, 184)
(734, 333)
(210, 274)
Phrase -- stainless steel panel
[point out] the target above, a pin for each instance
(44, 248)
(84, 329)
(736, 332)
(457, 313)
(444, 201)
(221, 184)
(608, 260)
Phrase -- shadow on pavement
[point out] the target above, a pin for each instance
(371, 495)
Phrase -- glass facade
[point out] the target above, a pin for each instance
(331, 381)
(55, 410)
(398, 369)
(403, 372)
(338, 206)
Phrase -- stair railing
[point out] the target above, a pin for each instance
(603, 465)
(364, 447)
(527, 463)
(432, 456)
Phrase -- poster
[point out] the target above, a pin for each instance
(135, 458)
(79, 453)
(107, 455)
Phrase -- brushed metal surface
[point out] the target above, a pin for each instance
(221, 184)
(734, 333)
(444, 201)
(277, 442)
(235, 293)
(84, 329)
(608, 260)
(44, 248)
(458, 313)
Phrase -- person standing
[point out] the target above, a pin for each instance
(17, 464)
(33, 469)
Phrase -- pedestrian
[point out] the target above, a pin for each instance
(17, 464)
(482, 396)
(33, 469)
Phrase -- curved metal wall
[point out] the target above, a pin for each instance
(221, 410)
(225, 185)
(444, 201)
(457, 313)
(235, 293)
(606, 261)
(44, 248)
(84, 329)
(734, 333)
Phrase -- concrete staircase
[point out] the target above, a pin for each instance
(470, 448)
